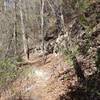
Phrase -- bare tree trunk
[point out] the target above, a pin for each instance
(23, 32)
(26, 5)
(15, 33)
(5, 5)
(42, 27)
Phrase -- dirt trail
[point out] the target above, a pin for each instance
(40, 81)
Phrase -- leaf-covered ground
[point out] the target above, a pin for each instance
(40, 81)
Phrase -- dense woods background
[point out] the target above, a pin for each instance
(61, 27)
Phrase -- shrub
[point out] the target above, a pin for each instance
(8, 71)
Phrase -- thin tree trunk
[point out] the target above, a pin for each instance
(15, 33)
(23, 32)
(42, 26)
(5, 5)
(27, 19)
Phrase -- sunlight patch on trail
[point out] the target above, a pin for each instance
(36, 78)
(41, 74)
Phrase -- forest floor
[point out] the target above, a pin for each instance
(39, 81)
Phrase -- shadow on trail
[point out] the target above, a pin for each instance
(89, 89)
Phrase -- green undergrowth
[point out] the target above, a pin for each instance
(69, 54)
(8, 71)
